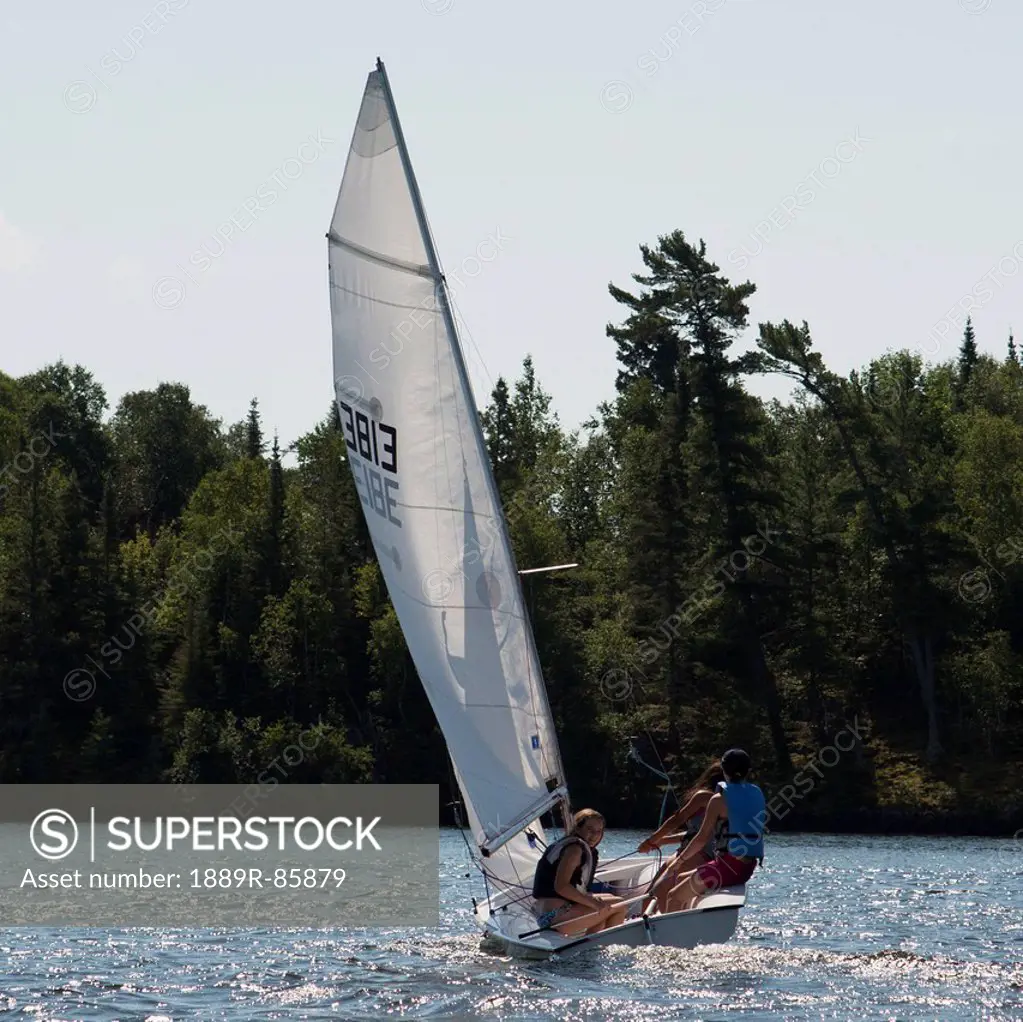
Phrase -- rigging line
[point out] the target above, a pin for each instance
(618, 858)
(556, 769)
(528, 888)
(472, 858)
(503, 881)
(634, 754)
(487, 874)
(504, 886)
(671, 784)
(456, 792)
(452, 305)
(653, 745)
(441, 287)
(508, 884)
(463, 330)
(500, 881)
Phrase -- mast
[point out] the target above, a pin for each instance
(441, 284)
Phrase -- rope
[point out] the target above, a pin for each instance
(508, 884)
(633, 753)
(456, 806)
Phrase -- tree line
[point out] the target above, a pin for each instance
(177, 605)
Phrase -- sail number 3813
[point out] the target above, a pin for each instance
(376, 443)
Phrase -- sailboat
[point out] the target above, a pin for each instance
(416, 451)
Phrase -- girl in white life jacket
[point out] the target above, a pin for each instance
(564, 874)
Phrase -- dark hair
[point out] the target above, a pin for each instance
(736, 764)
(708, 780)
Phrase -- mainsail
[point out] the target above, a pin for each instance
(417, 454)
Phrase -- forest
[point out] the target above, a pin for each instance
(833, 582)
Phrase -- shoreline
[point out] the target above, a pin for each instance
(883, 823)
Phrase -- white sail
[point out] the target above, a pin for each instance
(416, 451)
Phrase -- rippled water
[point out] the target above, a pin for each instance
(835, 928)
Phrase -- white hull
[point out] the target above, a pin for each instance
(505, 919)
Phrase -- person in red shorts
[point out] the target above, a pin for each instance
(736, 815)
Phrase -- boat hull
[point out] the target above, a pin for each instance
(507, 922)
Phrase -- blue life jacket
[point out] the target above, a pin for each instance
(747, 814)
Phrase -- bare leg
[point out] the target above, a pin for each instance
(617, 917)
(613, 918)
(565, 922)
(685, 895)
(659, 892)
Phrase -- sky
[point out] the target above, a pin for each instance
(859, 162)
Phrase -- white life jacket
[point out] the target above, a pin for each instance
(547, 867)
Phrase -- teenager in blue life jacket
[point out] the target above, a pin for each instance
(735, 816)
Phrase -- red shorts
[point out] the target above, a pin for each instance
(726, 870)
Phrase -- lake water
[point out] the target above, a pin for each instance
(836, 927)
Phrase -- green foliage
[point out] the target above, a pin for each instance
(757, 573)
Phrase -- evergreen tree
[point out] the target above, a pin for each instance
(685, 289)
(647, 343)
(967, 354)
(254, 445)
(901, 466)
(498, 423)
(273, 566)
(517, 426)
(534, 426)
(176, 603)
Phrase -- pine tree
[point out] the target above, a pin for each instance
(517, 426)
(684, 289)
(498, 424)
(534, 423)
(967, 355)
(900, 465)
(222, 605)
(273, 567)
(254, 445)
(647, 342)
